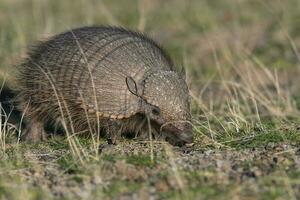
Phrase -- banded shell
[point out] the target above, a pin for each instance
(103, 75)
(88, 67)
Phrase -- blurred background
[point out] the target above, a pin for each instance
(242, 59)
(212, 39)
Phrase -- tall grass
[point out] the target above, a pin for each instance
(234, 86)
(242, 62)
(7, 128)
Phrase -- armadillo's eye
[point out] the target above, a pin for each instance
(155, 111)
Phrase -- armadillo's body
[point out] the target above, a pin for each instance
(98, 76)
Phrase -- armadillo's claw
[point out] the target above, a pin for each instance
(34, 132)
(112, 141)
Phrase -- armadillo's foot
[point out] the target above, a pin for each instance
(106, 148)
(111, 137)
(145, 136)
(113, 131)
(34, 132)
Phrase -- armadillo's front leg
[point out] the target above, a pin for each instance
(113, 131)
(34, 131)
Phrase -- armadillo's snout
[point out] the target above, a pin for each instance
(187, 138)
(179, 134)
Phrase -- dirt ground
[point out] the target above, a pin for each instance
(127, 171)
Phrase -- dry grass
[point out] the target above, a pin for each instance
(242, 59)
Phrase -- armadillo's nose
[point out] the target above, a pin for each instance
(180, 135)
(187, 138)
(180, 139)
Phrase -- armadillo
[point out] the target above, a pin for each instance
(103, 79)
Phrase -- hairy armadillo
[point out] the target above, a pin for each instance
(103, 79)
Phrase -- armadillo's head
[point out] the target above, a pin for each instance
(167, 104)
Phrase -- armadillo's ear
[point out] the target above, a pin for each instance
(131, 85)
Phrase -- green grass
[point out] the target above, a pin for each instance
(242, 61)
(121, 187)
(260, 136)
